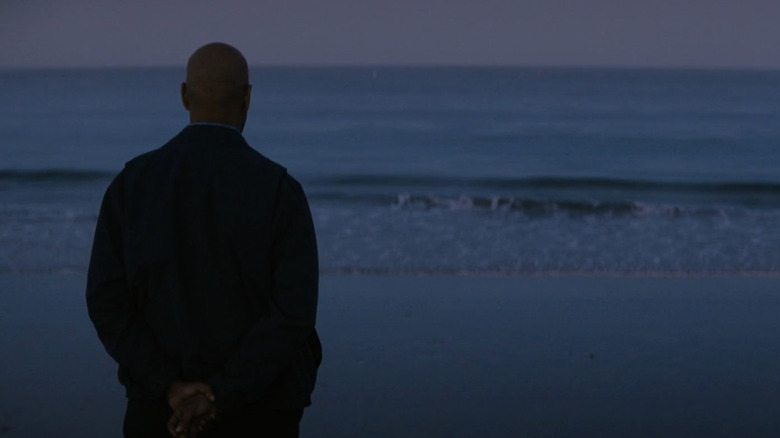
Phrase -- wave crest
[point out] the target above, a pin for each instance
(54, 175)
(558, 183)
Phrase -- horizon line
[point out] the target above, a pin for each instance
(529, 66)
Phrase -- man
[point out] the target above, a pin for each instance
(202, 283)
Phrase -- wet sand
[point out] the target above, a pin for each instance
(446, 356)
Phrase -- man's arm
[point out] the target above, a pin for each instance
(113, 307)
(281, 337)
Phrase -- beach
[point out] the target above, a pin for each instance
(507, 251)
(450, 356)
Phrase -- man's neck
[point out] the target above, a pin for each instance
(218, 118)
(223, 125)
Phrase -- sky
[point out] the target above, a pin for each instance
(634, 33)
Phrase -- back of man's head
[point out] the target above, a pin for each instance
(217, 87)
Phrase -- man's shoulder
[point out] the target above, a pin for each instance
(138, 160)
(211, 149)
(153, 154)
(292, 189)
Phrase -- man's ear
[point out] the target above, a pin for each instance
(247, 97)
(184, 99)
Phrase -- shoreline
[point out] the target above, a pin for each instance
(546, 273)
(381, 272)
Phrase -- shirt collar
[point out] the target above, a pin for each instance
(215, 124)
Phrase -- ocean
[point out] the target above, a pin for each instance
(468, 171)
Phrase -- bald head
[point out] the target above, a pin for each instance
(217, 89)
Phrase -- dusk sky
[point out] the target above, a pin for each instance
(661, 33)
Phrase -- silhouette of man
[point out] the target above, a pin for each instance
(203, 278)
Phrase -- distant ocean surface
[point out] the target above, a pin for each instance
(499, 171)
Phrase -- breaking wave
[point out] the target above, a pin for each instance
(54, 175)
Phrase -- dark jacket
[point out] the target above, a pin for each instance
(204, 268)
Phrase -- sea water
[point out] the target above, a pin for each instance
(508, 171)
